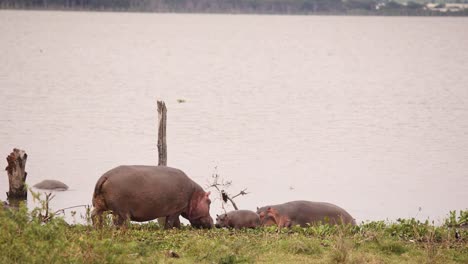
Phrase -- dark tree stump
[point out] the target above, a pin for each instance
(17, 176)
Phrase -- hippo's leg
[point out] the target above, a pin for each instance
(120, 218)
(96, 217)
(172, 221)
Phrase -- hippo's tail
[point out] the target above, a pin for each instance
(98, 199)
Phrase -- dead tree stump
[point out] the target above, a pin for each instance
(162, 146)
(17, 176)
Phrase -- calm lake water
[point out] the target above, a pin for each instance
(369, 113)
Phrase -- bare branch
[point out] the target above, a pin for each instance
(220, 185)
(233, 203)
(66, 208)
(241, 193)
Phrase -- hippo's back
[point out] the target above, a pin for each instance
(309, 212)
(138, 174)
(306, 212)
(243, 218)
(245, 215)
(51, 185)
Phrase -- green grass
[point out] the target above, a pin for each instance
(27, 238)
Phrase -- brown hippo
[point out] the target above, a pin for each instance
(303, 213)
(143, 193)
(272, 216)
(238, 219)
(51, 185)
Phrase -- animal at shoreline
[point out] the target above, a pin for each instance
(143, 193)
(238, 219)
(51, 185)
(275, 217)
(304, 213)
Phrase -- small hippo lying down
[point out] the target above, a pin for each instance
(143, 193)
(303, 213)
(238, 219)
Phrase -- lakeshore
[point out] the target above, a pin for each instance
(24, 238)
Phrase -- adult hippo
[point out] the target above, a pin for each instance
(304, 213)
(143, 193)
(51, 185)
(238, 219)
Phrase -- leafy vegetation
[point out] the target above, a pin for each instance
(30, 237)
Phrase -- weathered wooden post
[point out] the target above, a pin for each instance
(162, 146)
(17, 177)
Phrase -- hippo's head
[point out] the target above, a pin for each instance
(272, 212)
(202, 222)
(266, 219)
(199, 211)
(222, 220)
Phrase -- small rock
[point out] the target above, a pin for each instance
(172, 254)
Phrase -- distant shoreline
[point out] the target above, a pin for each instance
(390, 13)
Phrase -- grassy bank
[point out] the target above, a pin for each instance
(26, 238)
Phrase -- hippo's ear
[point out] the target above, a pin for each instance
(207, 197)
(257, 208)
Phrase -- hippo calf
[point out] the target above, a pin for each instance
(238, 219)
(143, 193)
(51, 185)
(304, 213)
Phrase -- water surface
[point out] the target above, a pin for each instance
(369, 113)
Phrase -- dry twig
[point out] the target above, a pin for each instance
(221, 186)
